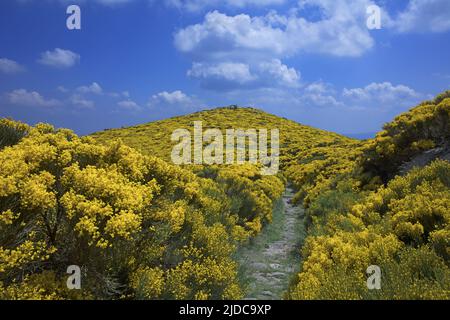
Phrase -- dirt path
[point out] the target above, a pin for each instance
(272, 258)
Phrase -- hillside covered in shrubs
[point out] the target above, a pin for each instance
(143, 228)
(373, 215)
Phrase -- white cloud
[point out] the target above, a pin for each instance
(317, 87)
(230, 71)
(176, 101)
(226, 76)
(129, 105)
(341, 32)
(243, 51)
(94, 88)
(319, 97)
(314, 96)
(10, 67)
(59, 58)
(87, 96)
(375, 96)
(320, 94)
(424, 16)
(172, 97)
(381, 93)
(31, 98)
(280, 72)
(321, 100)
(80, 101)
(219, 34)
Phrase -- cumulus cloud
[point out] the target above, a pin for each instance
(319, 97)
(172, 97)
(318, 87)
(243, 51)
(129, 105)
(94, 88)
(341, 32)
(381, 93)
(79, 101)
(10, 66)
(320, 94)
(424, 16)
(87, 96)
(232, 75)
(59, 58)
(284, 75)
(221, 34)
(23, 97)
(232, 72)
(176, 100)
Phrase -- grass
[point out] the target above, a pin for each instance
(267, 262)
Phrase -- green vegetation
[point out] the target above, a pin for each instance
(402, 226)
(268, 262)
(309, 157)
(422, 128)
(143, 228)
(139, 227)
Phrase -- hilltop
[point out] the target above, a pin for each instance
(309, 156)
(154, 137)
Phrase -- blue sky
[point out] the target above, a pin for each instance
(134, 61)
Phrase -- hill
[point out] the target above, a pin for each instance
(136, 226)
(309, 156)
(360, 213)
(143, 228)
(154, 137)
(423, 128)
(384, 216)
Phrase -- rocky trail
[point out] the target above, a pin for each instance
(269, 261)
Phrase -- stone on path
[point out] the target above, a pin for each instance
(268, 263)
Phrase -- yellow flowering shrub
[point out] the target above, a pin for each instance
(369, 215)
(422, 128)
(148, 283)
(143, 228)
(403, 228)
(42, 286)
(125, 218)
